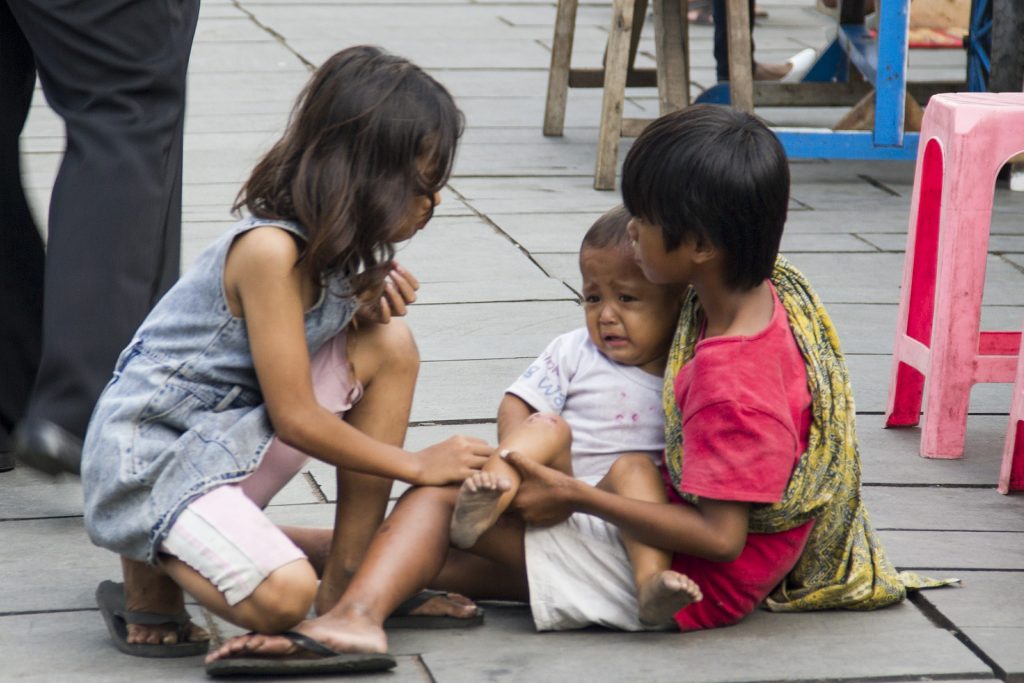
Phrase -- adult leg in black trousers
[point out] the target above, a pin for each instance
(21, 248)
(722, 38)
(114, 70)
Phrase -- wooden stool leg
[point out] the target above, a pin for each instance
(558, 75)
(615, 68)
(670, 37)
(741, 75)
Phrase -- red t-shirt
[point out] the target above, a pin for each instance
(746, 414)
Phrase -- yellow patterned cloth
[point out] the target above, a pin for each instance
(843, 564)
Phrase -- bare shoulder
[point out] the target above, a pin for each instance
(267, 248)
(261, 262)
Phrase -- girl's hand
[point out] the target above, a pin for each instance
(452, 460)
(399, 291)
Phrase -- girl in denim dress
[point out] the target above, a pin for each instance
(244, 367)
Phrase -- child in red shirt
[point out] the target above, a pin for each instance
(742, 398)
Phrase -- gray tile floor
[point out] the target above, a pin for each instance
(499, 279)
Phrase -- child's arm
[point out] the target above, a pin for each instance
(714, 529)
(272, 294)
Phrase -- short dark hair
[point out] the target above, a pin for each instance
(610, 230)
(346, 168)
(717, 176)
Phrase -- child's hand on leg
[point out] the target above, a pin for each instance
(545, 494)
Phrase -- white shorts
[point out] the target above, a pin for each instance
(580, 575)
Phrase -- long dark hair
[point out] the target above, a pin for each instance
(347, 166)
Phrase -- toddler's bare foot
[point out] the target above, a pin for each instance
(664, 594)
(476, 508)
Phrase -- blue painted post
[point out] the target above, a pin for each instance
(891, 82)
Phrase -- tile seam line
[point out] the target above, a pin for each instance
(926, 485)
(424, 668)
(902, 678)
(25, 613)
(940, 620)
(957, 570)
(948, 531)
(273, 34)
(494, 226)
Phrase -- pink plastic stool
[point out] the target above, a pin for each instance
(965, 139)
(1011, 475)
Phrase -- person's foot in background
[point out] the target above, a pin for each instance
(47, 447)
(792, 70)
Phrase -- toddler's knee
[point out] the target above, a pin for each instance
(558, 427)
(632, 466)
(283, 599)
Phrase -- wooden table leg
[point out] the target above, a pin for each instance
(558, 75)
(672, 50)
(741, 76)
(615, 68)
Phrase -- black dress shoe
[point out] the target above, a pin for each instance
(6, 461)
(47, 447)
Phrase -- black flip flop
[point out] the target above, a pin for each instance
(401, 617)
(110, 599)
(329, 662)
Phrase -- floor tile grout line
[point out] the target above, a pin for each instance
(310, 66)
(980, 570)
(928, 485)
(497, 228)
(940, 620)
(424, 668)
(31, 612)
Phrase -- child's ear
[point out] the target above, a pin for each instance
(704, 252)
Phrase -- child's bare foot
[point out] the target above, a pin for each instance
(351, 632)
(476, 507)
(664, 594)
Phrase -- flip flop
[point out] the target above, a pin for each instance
(402, 617)
(329, 662)
(110, 599)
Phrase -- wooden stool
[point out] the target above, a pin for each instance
(965, 139)
(671, 75)
(1011, 474)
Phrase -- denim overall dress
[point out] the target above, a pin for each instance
(183, 412)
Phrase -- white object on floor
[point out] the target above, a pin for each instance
(801, 63)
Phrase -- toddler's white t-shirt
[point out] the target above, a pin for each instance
(611, 408)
